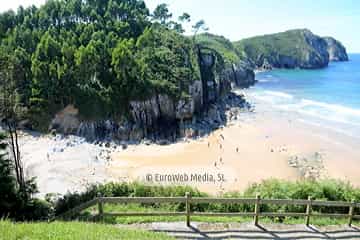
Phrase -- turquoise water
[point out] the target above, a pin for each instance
(329, 96)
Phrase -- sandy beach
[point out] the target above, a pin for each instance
(266, 143)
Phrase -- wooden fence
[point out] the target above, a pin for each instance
(188, 200)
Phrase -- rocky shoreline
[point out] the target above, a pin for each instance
(161, 118)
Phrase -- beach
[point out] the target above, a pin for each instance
(267, 143)
(258, 145)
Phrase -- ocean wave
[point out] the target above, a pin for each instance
(341, 130)
(279, 94)
(267, 78)
(332, 107)
(322, 110)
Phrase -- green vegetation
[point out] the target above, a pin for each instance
(71, 231)
(220, 44)
(291, 44)
(17, 202)
(120, 208)
(71, 200)
(280, 43)
(332, 190)
(97, 55)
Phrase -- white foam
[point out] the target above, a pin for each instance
(279, 94)
(321, 110)
(332, 107)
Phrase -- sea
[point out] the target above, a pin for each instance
(328, 97)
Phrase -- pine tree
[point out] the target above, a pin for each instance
(8, 196)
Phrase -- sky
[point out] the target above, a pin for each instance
(237, 19)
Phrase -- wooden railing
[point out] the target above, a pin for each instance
(188, 200)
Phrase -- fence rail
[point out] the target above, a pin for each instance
(188, 200)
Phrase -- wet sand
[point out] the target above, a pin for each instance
(267, 143)
(258, 146)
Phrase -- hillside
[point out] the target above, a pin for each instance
(237, 69)
(110, 69)
(221, 44)
(106, 69)
(291, 49)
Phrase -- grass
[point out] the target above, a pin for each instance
(327, 189)
(121, 208)
(291, 43)
(71, 231)
(220, 44)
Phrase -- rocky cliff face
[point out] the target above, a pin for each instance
(336, 50)
(291, 49)
(161, 117)
(316, 56)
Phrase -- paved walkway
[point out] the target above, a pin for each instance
(249, 231)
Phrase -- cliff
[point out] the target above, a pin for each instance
(336, 50)
(164, 118)
(238, 69)
(298, 48)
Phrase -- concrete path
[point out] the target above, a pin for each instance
(249, 231)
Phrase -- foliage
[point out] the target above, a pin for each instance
(17, 203)
(332, 190)
(220, 44)
(71, 231)
(292, 43)
(161, 14)
(96, 55)
(135, 189)
(169, 61)
(199, 26)
(8, 194)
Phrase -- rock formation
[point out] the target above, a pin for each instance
(298, 48)
(161, 117)
(336, 50)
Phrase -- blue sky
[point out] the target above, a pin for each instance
(237, 19)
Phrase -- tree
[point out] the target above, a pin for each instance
(129, 83)
(11, 111)
(46, 82)
(177, 27)
(83, 53)
(185, 18)
(8, 196)
(161, 14)
(168, 59)
(199, 26)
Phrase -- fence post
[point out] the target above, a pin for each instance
(257, 209)
(351, 212)
(187, 206)
(308, 211)
(100, 207)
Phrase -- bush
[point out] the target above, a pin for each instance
(37, 210)
(332, 190)
(135, 189)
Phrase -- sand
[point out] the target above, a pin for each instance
(258, 146)
(267, 143)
